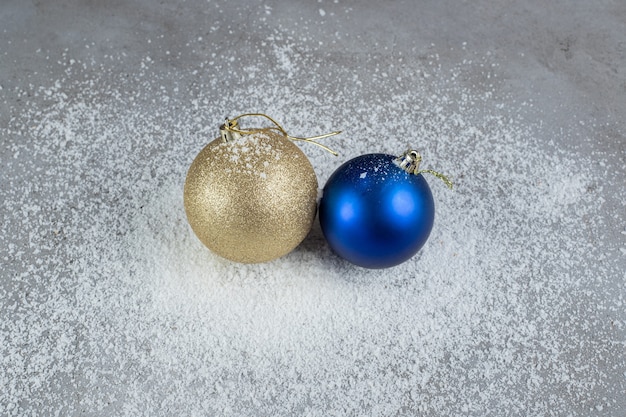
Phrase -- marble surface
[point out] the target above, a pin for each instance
(558, 68)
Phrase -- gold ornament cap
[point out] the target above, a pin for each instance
(230, 130)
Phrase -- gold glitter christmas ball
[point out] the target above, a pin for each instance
(252, 198)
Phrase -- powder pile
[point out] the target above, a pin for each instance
(109, 305)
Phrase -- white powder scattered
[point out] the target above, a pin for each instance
(322, 12)
(246, 149)
(111, 306)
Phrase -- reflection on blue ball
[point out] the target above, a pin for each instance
(374, 214)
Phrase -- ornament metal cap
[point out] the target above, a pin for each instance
(230, 130)
(410, 162)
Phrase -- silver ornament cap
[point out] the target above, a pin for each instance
(409, 161)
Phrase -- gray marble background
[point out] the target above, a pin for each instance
(566, 57)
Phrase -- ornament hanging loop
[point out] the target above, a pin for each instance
(410, 162)
(230, 130)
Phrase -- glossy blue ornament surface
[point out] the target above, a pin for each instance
(374, 214)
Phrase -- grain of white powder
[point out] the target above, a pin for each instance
(114, 307)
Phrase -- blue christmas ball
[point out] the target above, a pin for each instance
(374, 213)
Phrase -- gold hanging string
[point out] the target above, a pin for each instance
(410, 162)
(439, 175)
(232, 125)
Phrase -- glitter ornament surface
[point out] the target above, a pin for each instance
(374, 214)
(252, 199)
